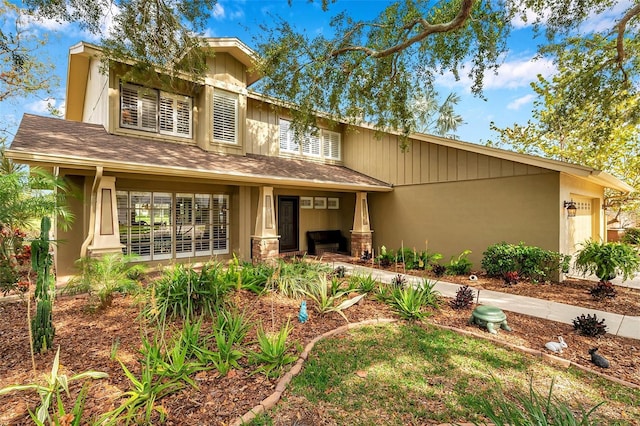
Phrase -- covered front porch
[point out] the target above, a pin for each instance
(168, 202)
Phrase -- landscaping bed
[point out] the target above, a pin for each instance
(89, 341)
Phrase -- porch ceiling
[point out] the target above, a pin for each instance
(50, 142)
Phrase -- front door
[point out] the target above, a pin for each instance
(288, 223)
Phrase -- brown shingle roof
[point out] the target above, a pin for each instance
(51, 141)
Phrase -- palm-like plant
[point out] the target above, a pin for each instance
(437, 119)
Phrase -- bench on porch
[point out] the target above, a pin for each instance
(331, 240)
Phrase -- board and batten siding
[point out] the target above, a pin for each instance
(422, 162)
(224, 67)
(262, 129)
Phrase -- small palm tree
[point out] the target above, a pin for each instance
(436, 119)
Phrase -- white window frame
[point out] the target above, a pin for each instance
(178, 115)
(154, 100)
(331, 145)
(288, 143)
(323, 144)
(224, 120)
(155, 228)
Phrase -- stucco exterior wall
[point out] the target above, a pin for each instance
(70, 240)
(456, 216)
(582, 191)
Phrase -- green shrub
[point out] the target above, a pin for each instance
(255, 277)
(606, 260)
(530, 262)
(411, 301)
(104, 276)
(186, 293)
(292, 279)
(460, 265)
(631, 236)
(275, 351)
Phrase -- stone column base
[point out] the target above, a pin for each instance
(264, 248)
(360, 242)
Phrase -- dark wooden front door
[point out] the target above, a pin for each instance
(288, 223)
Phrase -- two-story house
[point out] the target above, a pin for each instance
(213, 169)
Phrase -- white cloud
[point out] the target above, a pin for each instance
(218, 12)
(520, 102)
(511, 75)
(44, 106)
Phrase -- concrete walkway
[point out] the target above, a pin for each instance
(619, 325)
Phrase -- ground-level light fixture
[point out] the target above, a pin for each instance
(571, 208)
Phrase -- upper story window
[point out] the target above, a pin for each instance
(156, 111)
(324, 143)
(225, 117)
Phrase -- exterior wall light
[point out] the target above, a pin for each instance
(571, 208)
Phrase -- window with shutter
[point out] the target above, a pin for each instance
(154, 111)
(225, 113)
(331, 145)
(287, 142)
(175, 115)
(311, 145)
(324, 143)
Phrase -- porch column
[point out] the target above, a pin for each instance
(361, 239)
(264, 242)
(106, 234)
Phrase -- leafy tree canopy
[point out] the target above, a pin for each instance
(371, 70)
(22, 68)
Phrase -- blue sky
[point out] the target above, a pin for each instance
(509, 97)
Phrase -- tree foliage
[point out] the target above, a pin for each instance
(587, 114)
(22, 68)
(372, 70)
(151, 35)
(26, 196)
(369, 70)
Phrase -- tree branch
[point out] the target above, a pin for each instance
(427, 29)
(622, 26)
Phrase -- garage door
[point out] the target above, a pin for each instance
(581, 226)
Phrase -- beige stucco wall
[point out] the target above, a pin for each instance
(456, 216)
(69, 241)
(573, 188)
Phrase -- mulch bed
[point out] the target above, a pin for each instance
(87, 341)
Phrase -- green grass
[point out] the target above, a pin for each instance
(418, 374)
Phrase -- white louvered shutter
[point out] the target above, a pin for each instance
(129, 106)
(148, 109)
(287, 142)
(175, 115)
(311, 145)
(331, 145)
(225, 113)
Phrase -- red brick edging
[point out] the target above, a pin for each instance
(270, 401)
